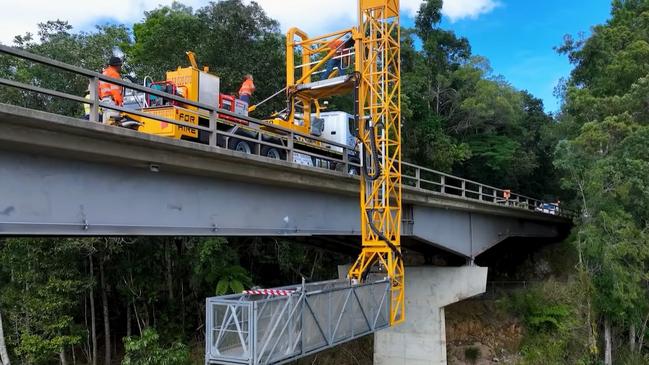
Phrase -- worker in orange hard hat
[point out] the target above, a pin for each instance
(247, 88)
(109, 93)
(338, 46)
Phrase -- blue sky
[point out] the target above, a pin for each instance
(518, 38)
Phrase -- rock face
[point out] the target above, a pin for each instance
(478, 332)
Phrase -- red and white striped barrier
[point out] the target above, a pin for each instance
(273, 292)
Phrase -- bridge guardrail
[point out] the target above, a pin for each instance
(414, 176)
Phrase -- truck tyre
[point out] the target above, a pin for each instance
(273, 152)
(240, 145)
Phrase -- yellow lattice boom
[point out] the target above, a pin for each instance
(379, 111)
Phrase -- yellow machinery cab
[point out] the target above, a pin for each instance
(190, 83)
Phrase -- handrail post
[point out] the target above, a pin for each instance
(480, 194)
(495, 195)
(418, 177)
(443, 185)
(346, 161)
(289, 155)
(464, 188)
(94, 96)
(213, 129)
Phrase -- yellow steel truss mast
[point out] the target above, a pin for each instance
(378, 61)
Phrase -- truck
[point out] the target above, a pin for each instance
(239, 133)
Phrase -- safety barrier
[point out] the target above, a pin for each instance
(414, 176)
(273, 329)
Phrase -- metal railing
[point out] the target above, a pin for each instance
(267, 329)
(439, 182)
(290, 141)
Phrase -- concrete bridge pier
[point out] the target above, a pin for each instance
(421, 340)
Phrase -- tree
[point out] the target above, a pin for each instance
(230, 37)
(604, 160)
(4, 355)
(146, 350)
(43, 286)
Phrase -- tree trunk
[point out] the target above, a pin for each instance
(137, 319)
(608, 352)
(93, 316)
(4, 356)
(128, 320)
(632, 337)
(64, 360)
(104, 302)
(643, 330)
(170, 286)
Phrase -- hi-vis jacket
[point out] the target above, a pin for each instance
(112, 90)
(247, 88)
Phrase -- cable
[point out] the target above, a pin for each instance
(372, 177)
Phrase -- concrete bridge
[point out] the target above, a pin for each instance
(66, 177)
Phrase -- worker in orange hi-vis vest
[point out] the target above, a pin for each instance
(109, 93)
(247, 88)
(336, 62)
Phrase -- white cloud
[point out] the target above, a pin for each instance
(454, 9)
(321, 16)
(22, 16)
(472, 9)
(313, 16)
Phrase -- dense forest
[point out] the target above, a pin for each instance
(141, 300)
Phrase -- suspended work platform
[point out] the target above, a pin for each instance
(326, 88)
(276, 326)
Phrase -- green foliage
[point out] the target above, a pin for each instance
(538, 314)
(40, 284)
(234, 279)
(217, 266)
(604, 160)
(147, 350)
(556, 324)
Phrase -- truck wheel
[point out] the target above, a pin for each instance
(273, 152)
(354, 170)
(240, 145)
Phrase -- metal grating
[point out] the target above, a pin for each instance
(266, 329)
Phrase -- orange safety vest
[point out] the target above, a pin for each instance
(247, 88)
(335, 44)
(108, 89)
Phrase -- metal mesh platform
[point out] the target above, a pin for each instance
(269, 329)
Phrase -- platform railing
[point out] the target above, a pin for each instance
(415, 177)
(267, 329)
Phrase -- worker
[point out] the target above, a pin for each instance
(247, 88)
(338, 46)
(109, 93)
(87, 107)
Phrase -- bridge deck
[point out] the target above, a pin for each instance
(65, 176)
